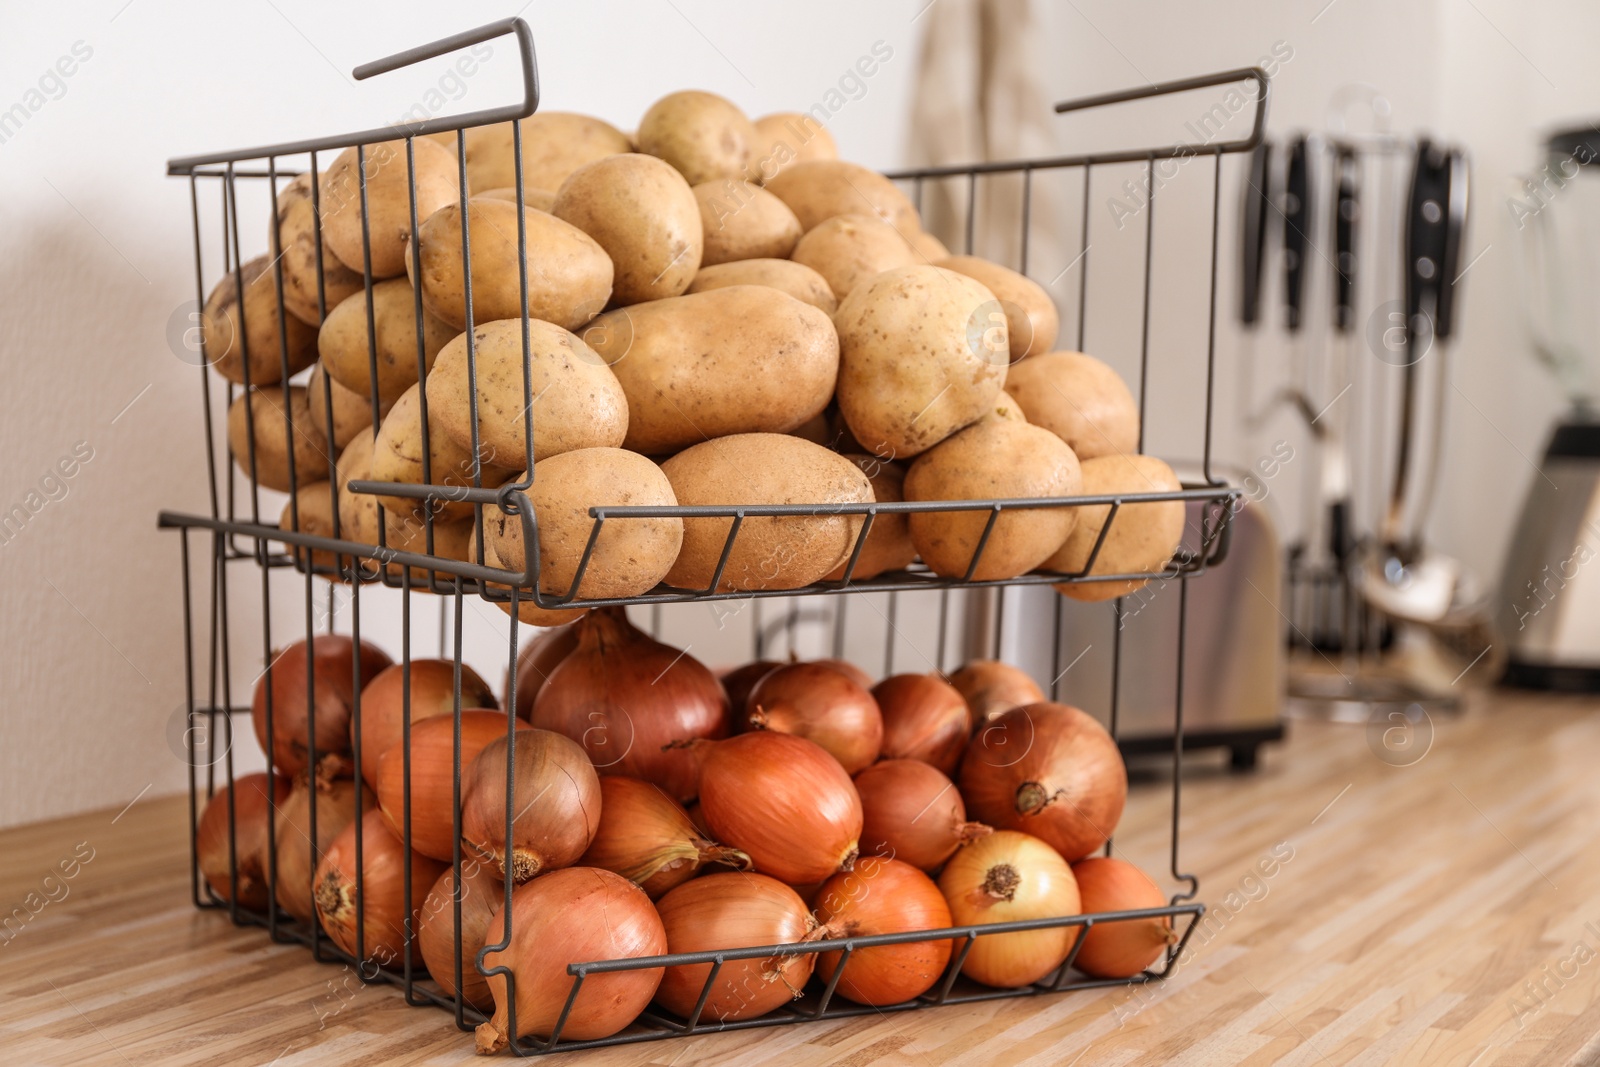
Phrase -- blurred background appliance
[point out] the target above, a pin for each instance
(1549, 600)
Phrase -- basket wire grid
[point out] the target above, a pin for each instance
(238, 536)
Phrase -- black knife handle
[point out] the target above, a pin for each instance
(1346, 217)
(1426, 229)
(1255, 214)
(1457, 181)
(1296, 230)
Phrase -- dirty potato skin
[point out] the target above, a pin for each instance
(818, 190)
(630, 556)
(569, 275)
(315, 505)
(397, 457)
(227, 342)
(528, 612)
(888, 546)
(272, 440)
(297, 236)
(770, 552)
(643, 214)
(1080, 400)
(351, 411)
(554, 144)
(785, 138)
(703, 135)
(923, 352)
(538, 199)
(744, 359)
(1142, 537)
(388, 201)
(796, 279)
(1031, 318)
(848, 249)
(994, 459)
(342, 341)
(578, 402)
(743, 221)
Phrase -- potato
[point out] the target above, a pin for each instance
(273, 453)
(703, 135)
(452, 539)
(1079, 399)
(888, 546)
(848, 249)
(644, 215)
(297, 237)
(1031, 318)
(798, 280)
(351, 411)
(630, 556)
(358, 512)
(818, 190)
(538, 199)
(1142, 537)
(785, 138)
(928, 248)
(397, 457)
(554, 144)
(577, 401)
(345, 351)
(922, 353)
(316, 505)
(388, 201)
(743, 221)
(527, 611)
(995, 459)
(770, 552)
(227, 341)
(569, 275)
(743, 359)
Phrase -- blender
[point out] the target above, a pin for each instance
(1550, 586)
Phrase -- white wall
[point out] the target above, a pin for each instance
(97, 258)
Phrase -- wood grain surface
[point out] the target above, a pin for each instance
(1374, 900)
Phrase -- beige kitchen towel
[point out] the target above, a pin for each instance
(979, 98)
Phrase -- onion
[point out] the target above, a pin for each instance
(848, 669)
(433, 777)
(883, 896)
(924, 718)
(579, 915)
(627, 699)
(334, 658)
(819, 703)
(336, 809)
(252, 828)
(481, 894)
(912, 812)
(991, 687)
(381, 893)
(648, 839)
(738, 682)
(784, 801)
(556, 804)
(736, 911)
(537, 659)
(1008, 877)
(1120, 949)
(1049, 770)
(432, 693)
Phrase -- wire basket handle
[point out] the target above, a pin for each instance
(445, 45)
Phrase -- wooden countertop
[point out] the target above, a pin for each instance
(1441, 912)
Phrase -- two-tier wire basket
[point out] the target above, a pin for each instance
(237, 567)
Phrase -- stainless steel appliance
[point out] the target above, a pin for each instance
(1550, 586)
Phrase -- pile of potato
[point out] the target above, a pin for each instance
(719, 311)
